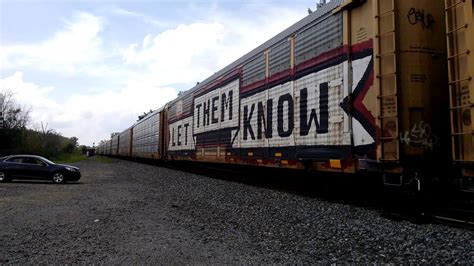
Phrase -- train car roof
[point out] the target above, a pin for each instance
(148, 116)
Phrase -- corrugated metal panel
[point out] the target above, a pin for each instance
(115, 145)
(172, 111)
(181, 106)
(279, 59)
(187, 104)
(124, 146)
(254, 70)
(109, 147)
(146, 137)
(318, 37)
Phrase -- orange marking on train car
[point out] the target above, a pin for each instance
(335, 164)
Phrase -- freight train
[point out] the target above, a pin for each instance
(358, 86)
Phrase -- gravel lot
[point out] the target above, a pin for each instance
(124, 212)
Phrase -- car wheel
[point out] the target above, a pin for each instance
(58, 178)
(3, 177)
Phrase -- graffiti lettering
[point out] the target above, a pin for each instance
(226, 104)
(286, 115)
(267, 126)
(305, 125)
(181, 135)
(247, 118)
(217, 109)
(420, 135)
(416, 15)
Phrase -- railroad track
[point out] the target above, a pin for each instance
(459, 212)
(450, 220)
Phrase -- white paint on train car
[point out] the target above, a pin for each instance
(346, 80)
(217, 109)
(181, 135)
(302, 112)
(360, 135)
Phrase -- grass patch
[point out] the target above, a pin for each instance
(103, 159)
(69, 158)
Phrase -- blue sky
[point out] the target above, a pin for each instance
(89, 68)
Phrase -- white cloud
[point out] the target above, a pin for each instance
(192, 52)
(31, 95)
(76, 45)
(142, 17)
(170, 57)
(89, 117)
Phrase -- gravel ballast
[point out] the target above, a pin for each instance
(127, 212)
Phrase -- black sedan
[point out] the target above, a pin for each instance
(36, 167)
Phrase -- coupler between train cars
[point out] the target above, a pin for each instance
(395, 176)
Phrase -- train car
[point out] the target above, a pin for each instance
(108, 148)
(114, 145)
(125, 143)
(146, 136)
(100, 148)
(354, 86)
(460, 62)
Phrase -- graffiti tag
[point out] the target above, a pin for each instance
(416, 16)
(420, 135)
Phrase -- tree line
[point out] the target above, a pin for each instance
(17, 138)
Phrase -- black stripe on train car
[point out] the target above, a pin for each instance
(220, 137)
(361, 50)
(191, 154)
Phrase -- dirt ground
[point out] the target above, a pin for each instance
(125, 212)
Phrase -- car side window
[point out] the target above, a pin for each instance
(29, 160)
(15, 160)
(39, 162)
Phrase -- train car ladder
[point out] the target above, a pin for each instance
(385, 67)
(459, 38)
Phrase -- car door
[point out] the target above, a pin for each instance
(32, 168)
(40, 169)
(14, 166)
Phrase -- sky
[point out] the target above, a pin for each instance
(89, 68)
